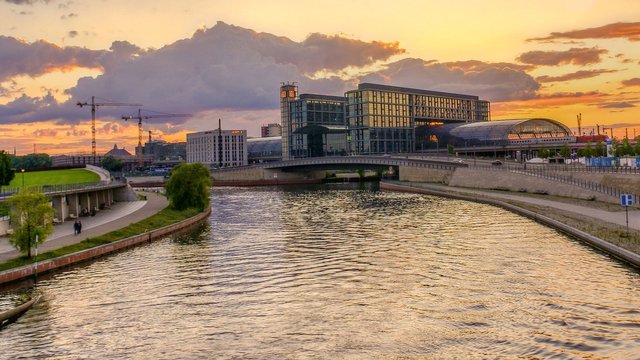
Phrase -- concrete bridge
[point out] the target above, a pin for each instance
(432, 170)
(568, 181)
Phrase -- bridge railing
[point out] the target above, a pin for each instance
(552, 173)
(53, 189)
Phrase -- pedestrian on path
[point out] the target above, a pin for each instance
(76, 228)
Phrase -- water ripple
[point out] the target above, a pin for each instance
(339, 272)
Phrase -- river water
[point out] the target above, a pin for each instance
(339, 271)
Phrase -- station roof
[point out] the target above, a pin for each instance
(265, 145)
(499, 130)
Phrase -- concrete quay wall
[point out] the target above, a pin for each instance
(602, 245)
(505, 180)
(27, 271)
(409, 173)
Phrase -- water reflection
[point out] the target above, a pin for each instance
(340, 272)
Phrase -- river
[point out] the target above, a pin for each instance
(339, 271)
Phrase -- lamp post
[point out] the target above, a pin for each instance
(22, 171)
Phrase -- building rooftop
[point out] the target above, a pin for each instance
(371, 86)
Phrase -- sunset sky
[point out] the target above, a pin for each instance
(226, 59)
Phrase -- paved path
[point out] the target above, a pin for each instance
(615, 217)
(120, 215)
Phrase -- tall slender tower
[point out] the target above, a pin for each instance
(288, 93)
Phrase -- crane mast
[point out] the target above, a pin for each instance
(95, 105)
(140, 117)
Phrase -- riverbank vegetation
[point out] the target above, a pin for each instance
(163, 218)
(188, 186)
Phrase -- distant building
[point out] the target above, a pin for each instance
(117, 153)
(84, 159)
(75, 160)
(271, 130)
(227, 148)
(160, 150)
(372, 119)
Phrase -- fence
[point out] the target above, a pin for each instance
(552, 173)
(51, 189)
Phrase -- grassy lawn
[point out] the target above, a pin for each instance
(54, 177)
(163, 218)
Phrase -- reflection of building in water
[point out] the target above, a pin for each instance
(372, 119)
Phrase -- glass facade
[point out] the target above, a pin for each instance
(374, 119)
(501, 132)
(383, 119)
(288, 93)
(317, 126)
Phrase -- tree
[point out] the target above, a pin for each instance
(112, 164)
(31, 213)
(188, 187)
(587, 151)
(565, 152)
(32, 161)
(599, 149)
(450, 149)
(6, 172)
(543, 153)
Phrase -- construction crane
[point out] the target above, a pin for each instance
(579, 116)
(94, 105)
(153, 116)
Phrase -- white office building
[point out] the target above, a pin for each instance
(226, 148)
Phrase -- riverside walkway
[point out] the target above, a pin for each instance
(614, 217)
(120, 215)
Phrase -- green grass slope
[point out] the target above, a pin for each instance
(54, 177)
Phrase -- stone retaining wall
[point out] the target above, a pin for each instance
(84, 255)
(505, 180)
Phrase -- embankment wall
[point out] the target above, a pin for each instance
(24, 272)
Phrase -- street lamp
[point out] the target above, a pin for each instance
(22, 171)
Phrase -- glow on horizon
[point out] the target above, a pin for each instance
(490, 31)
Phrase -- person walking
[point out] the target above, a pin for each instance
(76, 228)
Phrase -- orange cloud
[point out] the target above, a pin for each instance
(582, 74)
(629, 31)
(576, 56)
(550, 101)
(631, 82)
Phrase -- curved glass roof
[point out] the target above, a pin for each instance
(503, 130)
(265, 146)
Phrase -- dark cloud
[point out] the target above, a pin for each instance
(68, 16)
(616, 105)
(576, 56)
(631, 82)
(629, 31)
(74, 132)
(581, 74)
(228, 68)
(494, 82)
(45, 133)
(38, 58)
(72, 33)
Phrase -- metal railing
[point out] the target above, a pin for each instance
(61, 188)
(553, 174)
